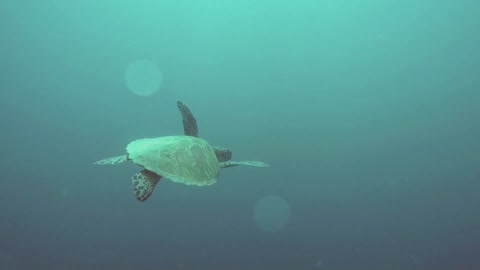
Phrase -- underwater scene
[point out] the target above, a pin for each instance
(240, 135)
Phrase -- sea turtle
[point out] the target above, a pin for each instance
(184, 158)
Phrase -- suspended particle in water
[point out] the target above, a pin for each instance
(272, 213)
(143, 77)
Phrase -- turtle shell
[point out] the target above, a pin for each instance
(182, 159)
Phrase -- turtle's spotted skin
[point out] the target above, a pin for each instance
(190, 127)
(143, 184)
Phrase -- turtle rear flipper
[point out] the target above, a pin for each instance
(143, 184)
(112, 160)
(246, 163)
(190, 127)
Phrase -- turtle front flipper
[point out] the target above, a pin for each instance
(143, 184)
(253, 163)
(112, 160)
(190, 127)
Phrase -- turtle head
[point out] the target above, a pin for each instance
(222, 153)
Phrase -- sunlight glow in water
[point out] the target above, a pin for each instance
(272, 213)
(143, 77)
